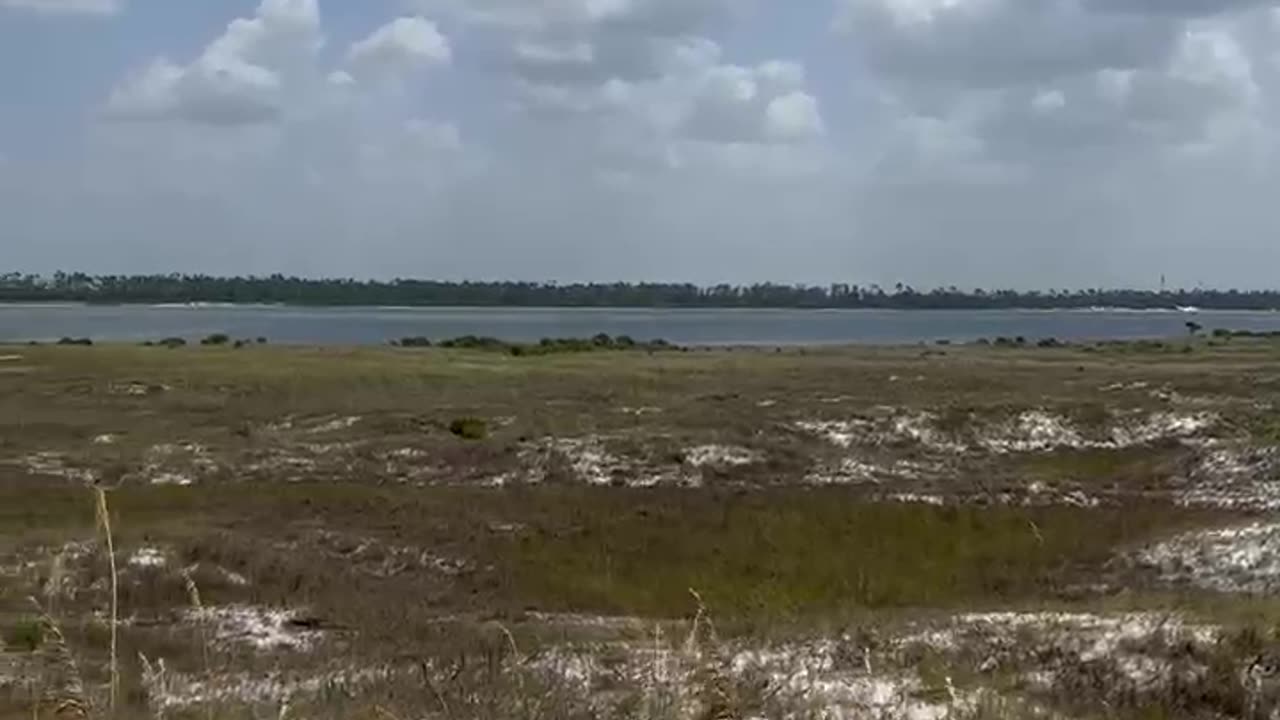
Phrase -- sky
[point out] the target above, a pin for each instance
(994, 143)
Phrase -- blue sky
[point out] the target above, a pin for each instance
(970, 142)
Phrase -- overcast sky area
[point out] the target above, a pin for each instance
(1011, 143)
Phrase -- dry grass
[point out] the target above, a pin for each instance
(327, 485)
(103, 521)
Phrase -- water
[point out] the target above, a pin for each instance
(369, 326)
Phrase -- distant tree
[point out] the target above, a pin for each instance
(281, 289)
(1194, 328)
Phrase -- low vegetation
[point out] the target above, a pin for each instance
(469, 428)
(546, 346)
(454, 532)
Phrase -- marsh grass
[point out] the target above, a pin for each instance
(767, 561)
(785, 555)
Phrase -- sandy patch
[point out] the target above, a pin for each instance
(857, 471)
(176, 464)
(640, 411)
(55, 464)
(336, 425)
(148, 557)
(1128, 652)
(1243, 559)
(1029, 431)
(262, 629)
(137, 389)
(169, 691)
(721, 456)
(589, 461)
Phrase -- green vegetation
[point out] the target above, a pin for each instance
(84, 342)
(216, 339)
(279, 289)
(1226, 333)
(546, 346)
(784, 555)
(469, 428)
(25, 635)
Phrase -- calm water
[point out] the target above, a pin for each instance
(715, 327)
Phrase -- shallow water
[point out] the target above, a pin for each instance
(368, 326)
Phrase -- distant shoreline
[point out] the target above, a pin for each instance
(282, 291)
(1189, 311)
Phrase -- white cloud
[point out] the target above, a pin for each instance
(403, 43)
(989, 43)
(641, 16)
(341, 78)
(242, 77)
(794, 116)
(66, 7)
(641, 83)
(1030, 80)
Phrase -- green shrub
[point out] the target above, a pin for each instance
(545, 346)
(469, 428)
(25, 636)
(216, 339)
(172, 342)
(473, 342)
(413, 342)
(85, 342)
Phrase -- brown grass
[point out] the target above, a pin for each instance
(408, 568)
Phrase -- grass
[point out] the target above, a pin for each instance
(778, 556)
(762, 557)
(345, 483)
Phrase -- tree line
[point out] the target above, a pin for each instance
(279, 289)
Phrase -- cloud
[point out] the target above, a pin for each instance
(1179, 8)
(642, 84)
(241, 78)
(638, 16)
(1032, 142)
(794, 116)
(1053, 85)
(65, 7)
(404, 42)
(940, 44)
